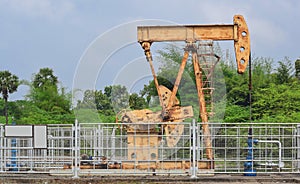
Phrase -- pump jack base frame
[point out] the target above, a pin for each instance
(154, 165)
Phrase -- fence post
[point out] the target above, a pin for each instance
(113, 144)
(298, 146)
(76, 149)
(1, 148)
(194, 150)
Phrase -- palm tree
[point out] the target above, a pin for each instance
(44, 79)
(9, 84)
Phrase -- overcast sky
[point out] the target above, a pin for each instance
(58, 33)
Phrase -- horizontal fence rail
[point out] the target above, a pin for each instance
(143, 148)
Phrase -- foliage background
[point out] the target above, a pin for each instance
(275, 94)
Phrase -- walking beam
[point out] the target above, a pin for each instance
(238, 32)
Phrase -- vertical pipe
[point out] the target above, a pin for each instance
(249, 169)
(199, 143)
(95, 143)
(76, 150)
(31, 158)
(113, 144)
(102, 140)
(225, 152)
(98, 141)
(1, 148)
(107, 141)
(194, 169)
(5, 152)
(239, 146)
(298, 147)
(63, 141)
(250, 89)
(14, 153)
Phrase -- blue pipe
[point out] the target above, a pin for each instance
(13, 163)
(14, 155)
(249, 169)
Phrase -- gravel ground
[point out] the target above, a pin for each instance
(47, 179)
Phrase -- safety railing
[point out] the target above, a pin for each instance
(142, 148)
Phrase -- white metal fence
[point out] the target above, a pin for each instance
(106, 148)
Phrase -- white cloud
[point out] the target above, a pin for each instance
(53, 10)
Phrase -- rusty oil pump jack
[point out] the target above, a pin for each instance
(190, 34)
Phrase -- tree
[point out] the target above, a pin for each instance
(236, 114)
(46, 95)
(137, 102)
(103, 103)
(97, 105)
(297, 68)
(262, 69)
(279, 102)
(45, 79)
(96, 100)
(9, 83)
(275, 92)
(284, 71)
(88, 101)
(119, 97)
